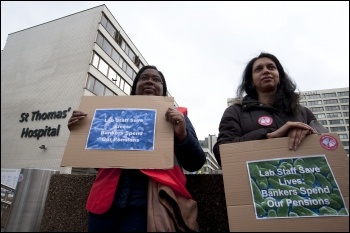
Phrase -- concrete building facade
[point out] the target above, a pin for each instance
(211, 166)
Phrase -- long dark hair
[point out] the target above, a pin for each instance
(286, 98)
(133, 88)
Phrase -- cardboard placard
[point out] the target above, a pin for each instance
(162, 155)
(238, 192)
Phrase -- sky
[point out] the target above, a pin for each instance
(202, 47)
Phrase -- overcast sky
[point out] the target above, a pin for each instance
(203, 47)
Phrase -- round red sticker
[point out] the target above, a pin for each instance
(265, 120)
(328, 142)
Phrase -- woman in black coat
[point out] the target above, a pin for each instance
(270, 108)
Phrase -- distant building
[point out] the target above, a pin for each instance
(331, 108)
(211, 166)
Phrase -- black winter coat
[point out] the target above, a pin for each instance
(245, 122)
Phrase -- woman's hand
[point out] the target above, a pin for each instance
(178, 120)
(296, 136)
(296, 131)
(76, 117)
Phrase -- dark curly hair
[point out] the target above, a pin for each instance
(286, 98)
(133, 88)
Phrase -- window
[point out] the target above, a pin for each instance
(118, 38)
(107, 47)
(127, 49)
(121, 62)
(137, 61)
(334, 114)
(129, 71)
(333, 101)
(110, 28)
(117, 80)
(104, 21)
(337, 129)
(328, 95)
(323, 122)
(108, 92)
(131, 54)
(317, 102)
(344, 93)
(319, 116)
(335, 122)
(345, 107)
(103, 67)
(343, 136)
(97, 87)
(122, 82)
(141, 65)
(124, 66)
(315, 96)
(127, 88)
(344, 100)
(99, 39)
(112, 74)
(317, 109)
(332, 108)
(123, 45)
(90, 83)
(115, 56)
(95, 60)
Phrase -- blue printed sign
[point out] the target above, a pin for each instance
(122, 129)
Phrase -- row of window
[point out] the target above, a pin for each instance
(110, 73)
(97, 87)
(112, 52)
(106, 23)
(338, 129)
(331, 115)
(107, 69)
(329, 108)
(334, 122)
(319, 102)
(326, 95)
(343, 136)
